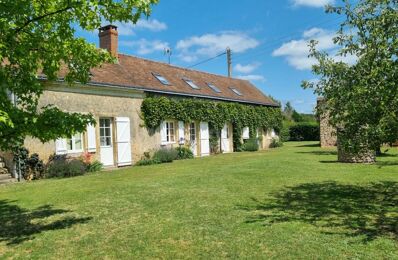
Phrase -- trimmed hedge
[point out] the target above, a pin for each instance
(304, 132)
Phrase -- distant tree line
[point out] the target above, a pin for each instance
(299, 126)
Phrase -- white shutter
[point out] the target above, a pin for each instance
(224, 140)
(60, 146)
(224, 132)
(204, 139)
(246, 133)
(181, 132)
(123, 140)
(258, 139)
(91, 139)
(163, 133)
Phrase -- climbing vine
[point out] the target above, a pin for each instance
(157, 109)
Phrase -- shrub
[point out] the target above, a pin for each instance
(86, 158)
(184, 153)
(95, 166)
(31, 167)
(165, 155)
(21, 156)
(36, 166)
(60, 167)
(214, 144)
(251, 145)
(146, 162)
(276, 143)
(304, 132)
(285, 131)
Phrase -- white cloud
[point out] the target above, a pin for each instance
(296, 52)
(312, 3)
(187, 58)
(298, 101)
(252, 77)
(144, 47)
(125, 29)
(128, 29)
(249, 68)
(152, 25)
(208, 45)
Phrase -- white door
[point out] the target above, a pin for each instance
(204, 139)
(123, 140)
(106, 143)
(225, 146)
(192, 139)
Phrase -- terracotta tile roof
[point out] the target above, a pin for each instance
(133, 72)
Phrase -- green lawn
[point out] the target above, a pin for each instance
(295, 202)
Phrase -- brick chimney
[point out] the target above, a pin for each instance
(108, 37)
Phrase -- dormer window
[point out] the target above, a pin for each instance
(162, 79)
(237, 92)
(214, 88)
(191, 83)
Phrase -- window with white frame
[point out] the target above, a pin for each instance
(105, 132)
(75, 143)
(192, 132)
(170, 132)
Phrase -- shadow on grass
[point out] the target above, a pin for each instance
(386, 163)
(18, 224)
(387, 155)
(331, 162)
(320, 152)
(309, 145)
(368, 210)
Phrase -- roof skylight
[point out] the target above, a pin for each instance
(191, 83)
(237, 92)
(214, 88)
(162, 79)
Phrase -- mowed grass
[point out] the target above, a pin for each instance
(294, 202)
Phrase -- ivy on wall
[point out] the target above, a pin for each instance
(156, 109)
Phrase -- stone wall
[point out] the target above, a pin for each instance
(328, 134)
(364, 156)
(8, 160)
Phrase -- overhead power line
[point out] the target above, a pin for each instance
(266, 47)
(207, 60)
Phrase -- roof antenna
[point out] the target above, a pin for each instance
(168, 52)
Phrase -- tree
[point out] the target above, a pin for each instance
(297, 117)
(37, 40)
(5, 119)
(288, 110)
(363, 97)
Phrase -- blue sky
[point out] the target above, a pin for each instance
(268, 39)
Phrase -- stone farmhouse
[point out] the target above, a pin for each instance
(114, 96)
